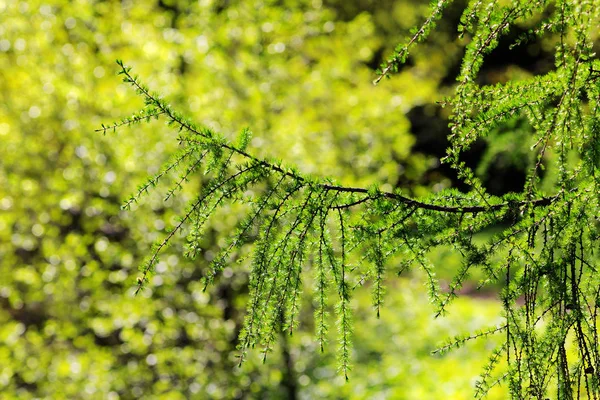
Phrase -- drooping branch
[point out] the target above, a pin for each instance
(184, 124)
(209, 192)
(421, 34)
(539, 250)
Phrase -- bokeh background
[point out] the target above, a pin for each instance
(299, 74)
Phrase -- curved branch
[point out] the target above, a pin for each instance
(173, 117)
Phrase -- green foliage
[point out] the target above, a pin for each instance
(544, 256)
(299, 74)
(69, 324)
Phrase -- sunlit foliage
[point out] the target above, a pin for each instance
(70, 326)
(344, 234)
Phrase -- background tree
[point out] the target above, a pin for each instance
(68, 253)
(68, 327)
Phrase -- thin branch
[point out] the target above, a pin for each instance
(128, 121)
(196, 204)
(354, 203)
(404, 52)
(344, 189)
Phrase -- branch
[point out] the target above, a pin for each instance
(173, 117)
(401, 55)
(197, 203)
(129, 121)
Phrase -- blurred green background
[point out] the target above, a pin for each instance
(299, 74)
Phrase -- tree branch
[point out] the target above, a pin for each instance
(473, 209)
